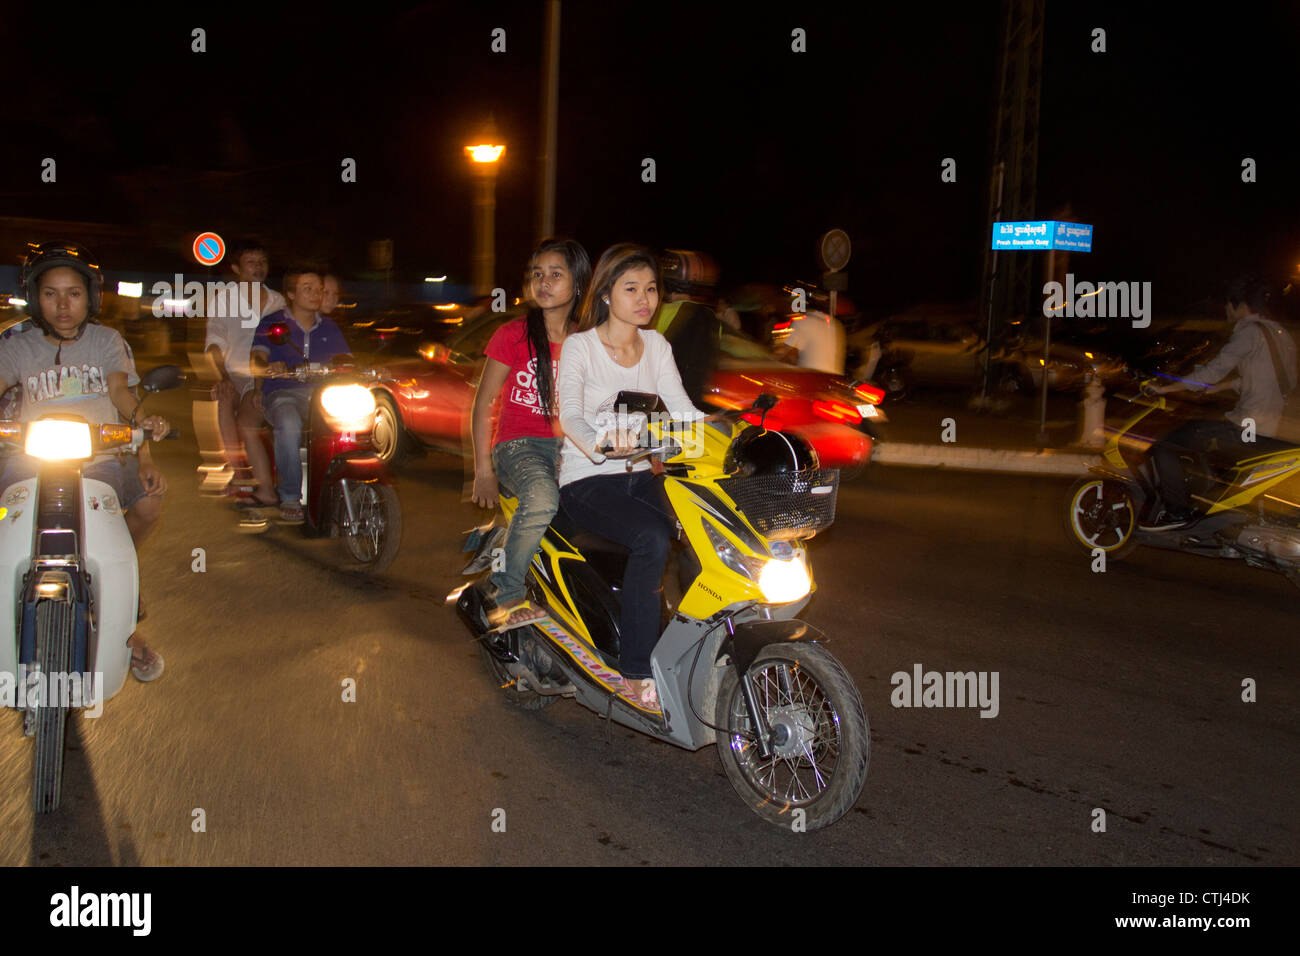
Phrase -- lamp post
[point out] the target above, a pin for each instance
(484, 156)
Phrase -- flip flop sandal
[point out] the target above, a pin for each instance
(146, 666)
(500, 617)
(643, 693)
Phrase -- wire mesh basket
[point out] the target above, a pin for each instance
(792, 505)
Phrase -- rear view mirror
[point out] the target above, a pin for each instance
(162, 378)
(765, 401)
(647, 403)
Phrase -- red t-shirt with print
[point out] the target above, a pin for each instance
(520, 413)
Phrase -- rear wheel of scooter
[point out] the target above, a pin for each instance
(54, 626)
(526, 699)
(1102, 514)
(373, 543)
(819, 761)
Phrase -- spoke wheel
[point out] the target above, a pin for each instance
(1101, 514)
(820, 748)
(372, 544)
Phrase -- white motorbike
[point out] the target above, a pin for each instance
(69, 583)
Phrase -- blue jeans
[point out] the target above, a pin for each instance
(528, 467)
(288, 410)
(631, 510)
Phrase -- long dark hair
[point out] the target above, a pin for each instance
(579, 266)
(614, 261)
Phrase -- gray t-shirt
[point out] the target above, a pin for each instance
(77, 385)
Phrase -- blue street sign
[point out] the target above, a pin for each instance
(1023, 235)
(1042, 234)
(1073, 236)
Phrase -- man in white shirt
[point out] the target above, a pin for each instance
(818, 339)
(232, 320)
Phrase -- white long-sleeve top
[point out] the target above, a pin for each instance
(589, 381)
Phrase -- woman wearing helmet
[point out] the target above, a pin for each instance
(70, 365)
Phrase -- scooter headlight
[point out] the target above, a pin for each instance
(730, 555)
(349, 408)
(784, 581)
(54, 439)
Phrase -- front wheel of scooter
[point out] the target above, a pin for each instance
(373, 542)
(1101, 514)
(821, 740)
(55, 621)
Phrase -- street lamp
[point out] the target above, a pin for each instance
(484, 156)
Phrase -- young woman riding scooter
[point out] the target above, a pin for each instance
(524, 450)
(615, 351)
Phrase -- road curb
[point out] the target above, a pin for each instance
(1046, 462)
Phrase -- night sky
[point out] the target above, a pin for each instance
(758, 149)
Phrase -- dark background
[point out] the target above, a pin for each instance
(758, 150)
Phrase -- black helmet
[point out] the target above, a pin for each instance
(756, 452)
(43, 256)
(685, 271)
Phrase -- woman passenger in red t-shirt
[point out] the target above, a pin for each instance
(525, 449)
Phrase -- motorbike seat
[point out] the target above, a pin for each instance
(1263, 445)
(608, 558)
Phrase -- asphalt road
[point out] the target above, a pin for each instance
(1119, 691)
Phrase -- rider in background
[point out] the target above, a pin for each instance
(1263, 354)
(614, 351)
(523, 449)
(816, 340)
(231, 323)
(286, 402)
(332, 289)
(686, 320)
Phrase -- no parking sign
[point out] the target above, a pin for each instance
(209, 249)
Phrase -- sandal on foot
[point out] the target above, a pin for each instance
(291, 512)
(146, 664)
(643, 692)
(506, 616)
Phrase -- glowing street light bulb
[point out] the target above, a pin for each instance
(485, 153)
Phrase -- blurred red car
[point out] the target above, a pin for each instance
(425, 400)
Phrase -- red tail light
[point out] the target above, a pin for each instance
(872, 394)
(837, 412)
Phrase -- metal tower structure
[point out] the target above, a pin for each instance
(1005, 287)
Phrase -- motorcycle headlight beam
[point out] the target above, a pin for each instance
(54, 439)
(351, 408)
(784, 581)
